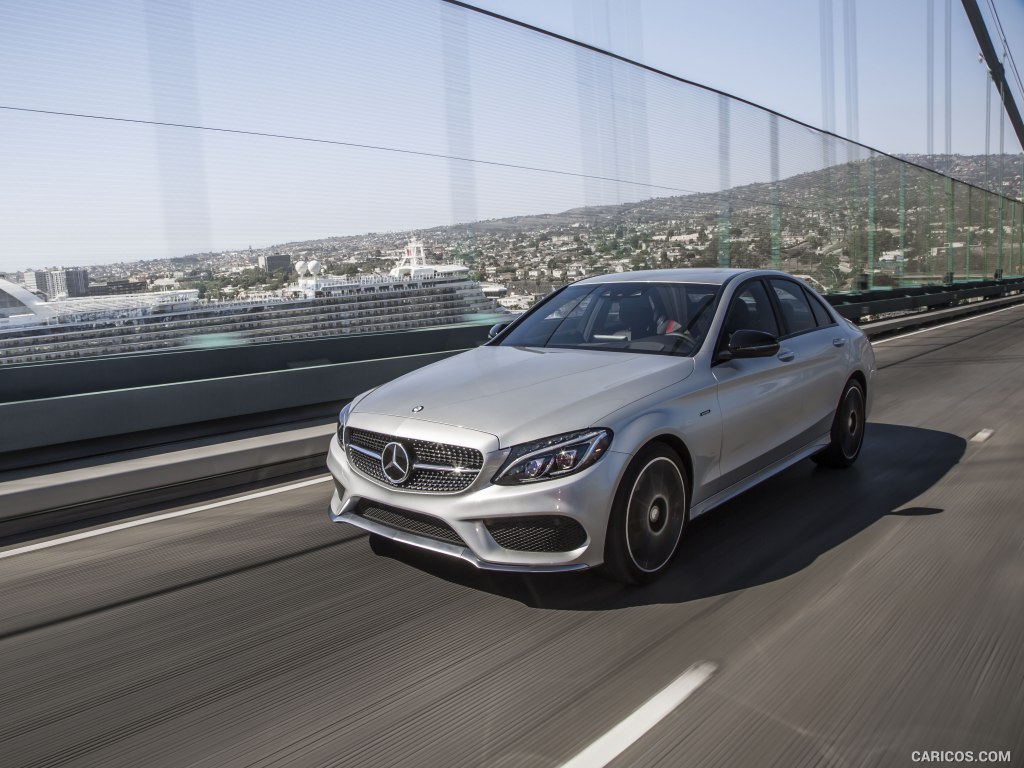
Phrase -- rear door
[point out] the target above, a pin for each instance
(817, 355)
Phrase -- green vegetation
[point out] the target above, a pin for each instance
(254, 279)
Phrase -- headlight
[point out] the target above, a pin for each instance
(342, 420)
(553, 457)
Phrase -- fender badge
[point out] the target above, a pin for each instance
(417, 409)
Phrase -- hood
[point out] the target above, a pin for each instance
(519, 394)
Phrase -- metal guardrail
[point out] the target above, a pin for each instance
(914, 302)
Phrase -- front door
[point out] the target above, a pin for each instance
(757, 397)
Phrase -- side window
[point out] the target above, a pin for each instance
(796, 312)
(751, 310)
(821, 315)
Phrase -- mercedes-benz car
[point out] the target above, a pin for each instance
(590, 430)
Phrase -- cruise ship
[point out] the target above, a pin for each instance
(414, 294)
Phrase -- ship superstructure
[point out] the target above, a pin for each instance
(414, 294)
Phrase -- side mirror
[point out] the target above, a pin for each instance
(496, 329)
(747, 343)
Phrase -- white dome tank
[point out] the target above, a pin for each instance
(302, 267)
(314, 267)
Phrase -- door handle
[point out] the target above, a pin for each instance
(785, 355)
(838, 342)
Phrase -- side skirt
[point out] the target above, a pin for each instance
(749, 482)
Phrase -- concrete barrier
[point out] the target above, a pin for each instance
(84, 489)
(51, 420)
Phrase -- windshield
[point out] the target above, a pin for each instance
(652, 318)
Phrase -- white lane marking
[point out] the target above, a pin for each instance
(982, 436)
(943, 325)
(652, 712)
(158, 518)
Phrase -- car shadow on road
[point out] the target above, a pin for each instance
(766, 534)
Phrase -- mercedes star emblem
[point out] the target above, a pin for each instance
(395, 463)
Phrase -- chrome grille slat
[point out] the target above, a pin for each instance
(365, 452)
(437, 467)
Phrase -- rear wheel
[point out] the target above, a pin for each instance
(648, 516)
(847, 434)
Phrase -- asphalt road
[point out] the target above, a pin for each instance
(854, 617)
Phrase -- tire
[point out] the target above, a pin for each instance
(649, 514)
(847, 434)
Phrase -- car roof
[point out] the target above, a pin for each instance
(683, 275)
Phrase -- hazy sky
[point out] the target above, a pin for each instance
(770, 53)
(383, 91)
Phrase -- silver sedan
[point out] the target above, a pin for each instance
(593, 428)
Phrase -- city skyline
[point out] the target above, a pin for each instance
(807, 188)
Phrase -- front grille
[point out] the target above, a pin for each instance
(549, 533)
(367, 465)
(410, 522)
(458, 466)
(374, 441)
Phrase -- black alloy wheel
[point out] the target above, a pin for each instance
(648, 516)
(847, 434)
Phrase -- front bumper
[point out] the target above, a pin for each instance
(585, 497)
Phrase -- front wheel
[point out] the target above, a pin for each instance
(847, 434)
(648, 516)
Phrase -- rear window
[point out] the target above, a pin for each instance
(796, 311)
(821, 315)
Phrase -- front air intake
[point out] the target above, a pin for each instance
(547, 533)
(410, 522)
